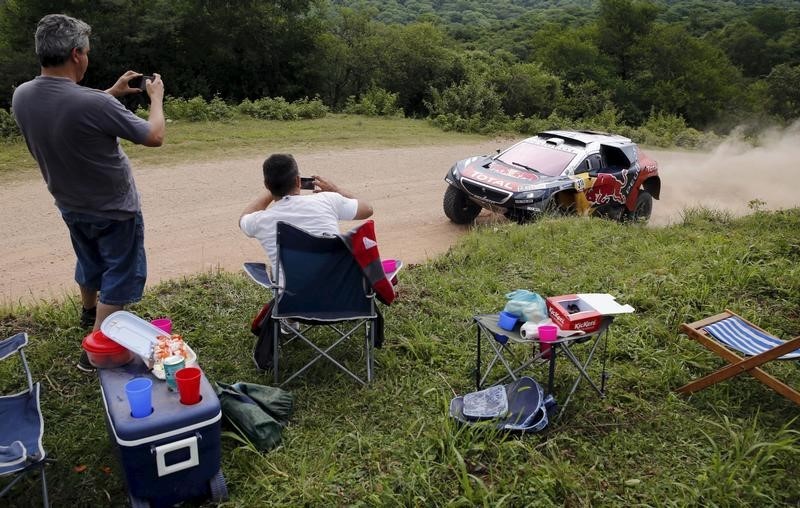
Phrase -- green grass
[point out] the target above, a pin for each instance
(246, 137)
(392, 443)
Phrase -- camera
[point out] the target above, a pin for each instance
(139, 81)
(307, 183)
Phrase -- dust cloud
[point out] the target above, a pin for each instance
(731, 176)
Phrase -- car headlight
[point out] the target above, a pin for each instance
(525, 198)
(532, 194)
(454, 171)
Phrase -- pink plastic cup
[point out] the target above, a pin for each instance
(547, 333)
(188, 381)
(389, 265)
(164, 323)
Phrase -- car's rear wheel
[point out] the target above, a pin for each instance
(458, 207)
(644, 208)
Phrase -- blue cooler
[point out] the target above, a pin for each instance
(172, 455)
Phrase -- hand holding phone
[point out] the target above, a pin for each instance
(139, 82)
(307, 183)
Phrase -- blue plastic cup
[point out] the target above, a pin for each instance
(139, 391)
(507, 321)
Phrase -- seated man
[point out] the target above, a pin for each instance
(318, 213)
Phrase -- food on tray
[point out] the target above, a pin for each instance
(169, 345)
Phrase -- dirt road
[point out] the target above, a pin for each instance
(191, 210)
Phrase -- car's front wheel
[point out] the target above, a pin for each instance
(458, 207)
(644, 208)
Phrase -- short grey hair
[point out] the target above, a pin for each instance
(56, 35)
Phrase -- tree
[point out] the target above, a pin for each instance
(784, 94)
(528, 90)
(682, 75)
(621, 26)
(346, 60)
(583, 100)
(412, 60)
(250, 48)
(747, 48)
(572, 54)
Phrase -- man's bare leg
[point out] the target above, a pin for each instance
(88, 297)
(89, 301)
(103, 311)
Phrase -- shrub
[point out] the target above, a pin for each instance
(278, 108)
(9, 131)
(527, 125)
(375, 102)
(474, 98)
(606, 120)
(310, 108)
(268, 108)
(194, 109)
(475, 123)
(219, 110)
(661, 129)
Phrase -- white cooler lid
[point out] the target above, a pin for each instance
(132, 332)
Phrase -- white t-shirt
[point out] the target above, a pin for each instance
(317, 214)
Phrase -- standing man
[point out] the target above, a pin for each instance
(73, 133)
(318, 213)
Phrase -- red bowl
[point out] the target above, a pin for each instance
(104, 353)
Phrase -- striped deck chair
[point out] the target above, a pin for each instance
(727, 331)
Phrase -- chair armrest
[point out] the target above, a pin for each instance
(13, 344)
(259, 273)
(14, 455)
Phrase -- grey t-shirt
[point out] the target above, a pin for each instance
(73, 133)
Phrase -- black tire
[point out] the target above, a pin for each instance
(458, 207)
(555, 209)
(644, 208)
(138, 502)
(520, 217)
(219, 490)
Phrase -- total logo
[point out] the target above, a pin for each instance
(496, 182)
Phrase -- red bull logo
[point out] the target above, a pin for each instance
(612, 187)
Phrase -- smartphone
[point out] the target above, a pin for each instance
(307, 183)
(138, 82)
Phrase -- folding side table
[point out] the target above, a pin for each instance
(502, 343)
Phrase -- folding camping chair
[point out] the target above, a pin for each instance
(21, 424)
(726, 331)
(318, 283)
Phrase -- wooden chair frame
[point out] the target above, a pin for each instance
(737, 364)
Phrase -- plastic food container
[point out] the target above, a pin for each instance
(141, 337)
(104, 353)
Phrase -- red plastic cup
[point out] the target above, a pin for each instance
(188, 381)
(547, 333)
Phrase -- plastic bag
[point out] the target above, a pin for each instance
(526, 305)
(258, 412)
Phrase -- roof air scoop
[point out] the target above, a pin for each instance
(555, 141)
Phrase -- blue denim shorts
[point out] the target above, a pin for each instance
(110, 254)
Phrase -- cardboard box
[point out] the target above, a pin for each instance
(583, 311)
(570, 312)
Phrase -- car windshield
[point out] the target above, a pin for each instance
(543, 159)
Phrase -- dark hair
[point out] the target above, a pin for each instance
(280, 174)
(57, 35)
